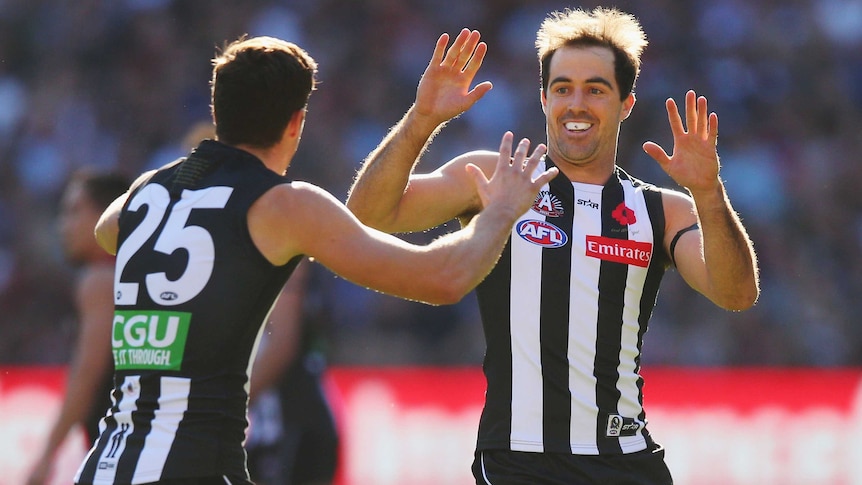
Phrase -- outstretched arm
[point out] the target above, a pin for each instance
(302, 219)
(381, 195)
(718, 260)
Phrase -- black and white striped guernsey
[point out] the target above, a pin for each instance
(191, 294)
(564, 314)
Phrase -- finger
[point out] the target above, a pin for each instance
(532, 162)
(673, 117)
(657, 153)
(690, 112)
(505, 148)
(440, 49)
(702, 117)
(476, 59)
(546, 176)
(468, 50)
(520, 153)
(455, 50)
(480, 90)
(477, 174)
(713, 128)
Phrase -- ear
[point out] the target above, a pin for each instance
(628, 104)
(544, 99)
(296, 123)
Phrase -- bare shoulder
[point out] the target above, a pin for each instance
(291, 200)
(280, 220)
(679, 213)
(677, 204)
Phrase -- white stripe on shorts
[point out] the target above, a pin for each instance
(484, 475)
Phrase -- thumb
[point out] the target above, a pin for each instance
(480, 181)
(477, 174)
(656, 152)
(479, 91)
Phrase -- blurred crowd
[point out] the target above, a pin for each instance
(123, 85)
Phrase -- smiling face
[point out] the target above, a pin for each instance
(583, 112)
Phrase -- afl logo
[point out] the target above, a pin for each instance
(541, 233)
(168, 296)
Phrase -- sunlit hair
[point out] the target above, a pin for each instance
(257, 85)
(606, 27)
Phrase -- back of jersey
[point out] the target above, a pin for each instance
(191, 293)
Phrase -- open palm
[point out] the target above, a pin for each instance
(694, 163)
(444, 90)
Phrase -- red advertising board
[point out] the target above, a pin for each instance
(418, 425)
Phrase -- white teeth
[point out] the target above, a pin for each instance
(577, 126)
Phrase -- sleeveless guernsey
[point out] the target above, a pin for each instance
(191, 294)
(564, 314)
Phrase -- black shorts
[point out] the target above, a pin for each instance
(504, 467)
(307, 451)
(202, 481)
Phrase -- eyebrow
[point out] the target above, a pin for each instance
(592, 80)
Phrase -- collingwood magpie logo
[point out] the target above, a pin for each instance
(548, 204)
(620, 426)
(110, 458)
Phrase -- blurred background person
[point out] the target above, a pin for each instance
(89, 382)
(293, 439)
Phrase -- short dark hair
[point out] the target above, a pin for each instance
(257, 85)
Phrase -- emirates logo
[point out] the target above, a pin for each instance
(624, 215)
(635, 253)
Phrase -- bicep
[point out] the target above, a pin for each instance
(302, 219)
(432, 199)
(323, 229)
(683, 244)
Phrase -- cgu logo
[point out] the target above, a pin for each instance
(144, 329)
(541, 233)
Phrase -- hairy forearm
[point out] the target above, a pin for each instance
(383, 177)
(464, 266)
(729, 254)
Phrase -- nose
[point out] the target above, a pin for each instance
(576, 102)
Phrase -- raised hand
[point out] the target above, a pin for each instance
(444, 90)
(512, 182)
(694, 163)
